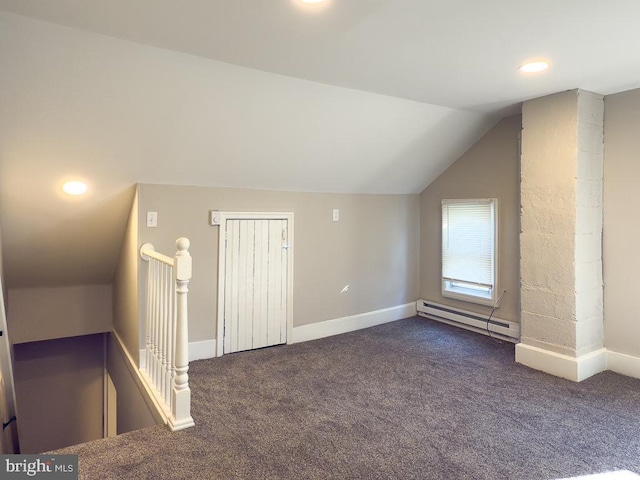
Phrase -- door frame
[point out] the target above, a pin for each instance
(222, 261)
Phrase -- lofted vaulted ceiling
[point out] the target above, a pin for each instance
(454, 53)
(371, 96)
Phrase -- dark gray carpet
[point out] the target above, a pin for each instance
(413, 399)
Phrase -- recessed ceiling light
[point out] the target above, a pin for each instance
(74, 188)
(312, 5)
(534, 67)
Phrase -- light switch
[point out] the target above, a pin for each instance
(336, 214)
(214, 217)
(152, 219)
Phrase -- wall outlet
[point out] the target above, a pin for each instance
(152, 219)
(336, 214)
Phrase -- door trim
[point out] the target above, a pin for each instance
(222, 259)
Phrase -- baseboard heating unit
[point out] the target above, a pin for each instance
(475, 322)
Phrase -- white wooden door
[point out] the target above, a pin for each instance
(255, 283)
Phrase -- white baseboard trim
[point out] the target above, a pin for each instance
(580, 368)
(623, 364)
(575, 369)
(202, 350)
(617, 475)
(337, 326)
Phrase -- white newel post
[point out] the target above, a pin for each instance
(166, 361)
(181, 396)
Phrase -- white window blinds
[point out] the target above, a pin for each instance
(468, 248)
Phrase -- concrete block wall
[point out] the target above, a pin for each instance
(589, 214)
(561, 223)
(548, 221)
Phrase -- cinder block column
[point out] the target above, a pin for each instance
(561, 233)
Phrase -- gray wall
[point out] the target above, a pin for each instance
(125, 285)
(621, 225)
(3, 280)
(8, 436)
(46, 313)
(132, 410)
(59, 389)
(374, 248)
(489, 169)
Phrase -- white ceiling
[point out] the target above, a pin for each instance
(455, 53)
(366, 96)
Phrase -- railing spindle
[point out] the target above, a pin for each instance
(156, 315)
(165, 327)
(162, 325)
(147, 353)
(169, 363)
(154, 299)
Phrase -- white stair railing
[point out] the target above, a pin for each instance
(166, 358)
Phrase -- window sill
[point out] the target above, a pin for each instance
(457, 295)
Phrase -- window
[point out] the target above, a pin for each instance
(469, 250)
